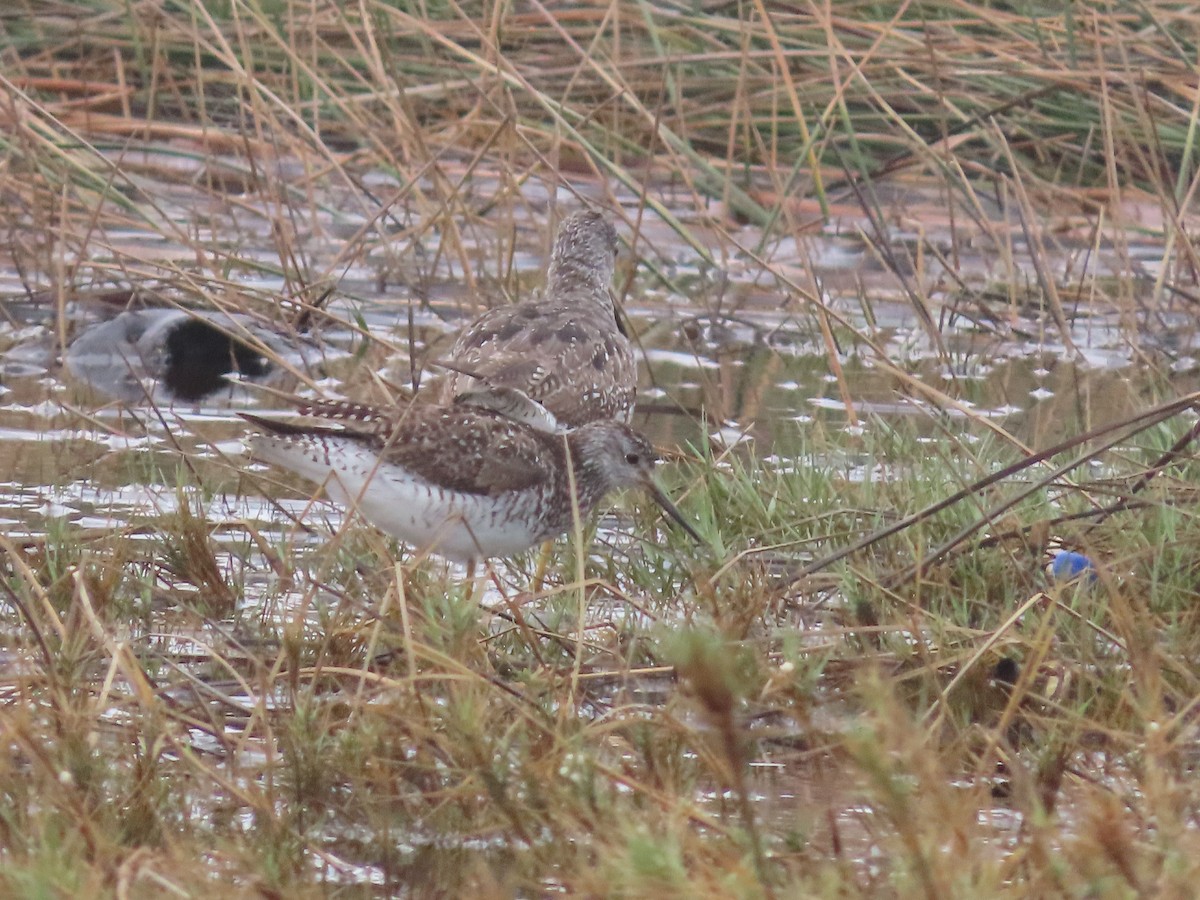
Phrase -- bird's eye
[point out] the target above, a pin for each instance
(632, 458)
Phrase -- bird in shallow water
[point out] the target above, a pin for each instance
(463, 481)
(168, 355)
(565, 350)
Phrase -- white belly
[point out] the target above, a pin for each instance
(455, 525)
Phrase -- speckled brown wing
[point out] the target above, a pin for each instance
(470, 450)
(573, 361)
(364, 417)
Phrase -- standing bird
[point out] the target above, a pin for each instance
(463, 481)
(565, 350)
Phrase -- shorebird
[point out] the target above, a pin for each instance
(463, 481)
(565, 350)
(179, 356)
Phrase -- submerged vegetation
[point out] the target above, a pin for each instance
(864, 684)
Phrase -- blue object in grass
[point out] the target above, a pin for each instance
(1070, 566)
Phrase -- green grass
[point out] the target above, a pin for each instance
(397, 737)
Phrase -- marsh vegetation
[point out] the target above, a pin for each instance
(914, 292)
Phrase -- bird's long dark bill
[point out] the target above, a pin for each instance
(671, 510)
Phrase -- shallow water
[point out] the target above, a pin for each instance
(734, 351)
(734, 354)
(704, 379)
